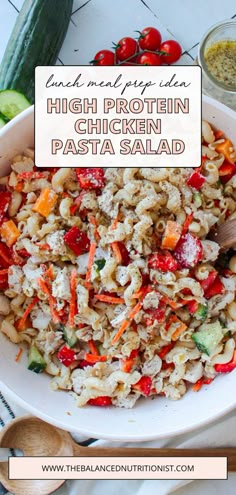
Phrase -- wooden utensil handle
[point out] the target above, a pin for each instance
(225, 234)
(230, 453)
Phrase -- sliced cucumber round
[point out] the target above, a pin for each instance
(12, 103)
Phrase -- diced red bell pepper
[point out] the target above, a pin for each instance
(227, 171)
(167, 366)
(189, 251)
(77, 202)
(216, 288)
(157, 314)
(128, 363)
(208, 282)
(66, 355)
(145, 279)
(3, 279)
(23, 253)
(90, 178)
(32, 175)
(163, 261)
(77, 241)
(144, 385)
(196, 180)
(186, 224)
(5, 198)
(83, 364)
(102, 401)
(226, 272)
(208, 381)
(192, 306)
(5, 256)
(227, 367)
(212, 285)
(167, 348)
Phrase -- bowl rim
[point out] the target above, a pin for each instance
(205, 99)
(91, 432)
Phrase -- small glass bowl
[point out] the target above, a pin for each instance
(225, 31)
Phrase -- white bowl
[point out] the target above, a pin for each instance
(150, 419)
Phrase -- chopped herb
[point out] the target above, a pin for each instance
(100, 264)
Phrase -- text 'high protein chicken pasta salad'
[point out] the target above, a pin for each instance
(108, 278)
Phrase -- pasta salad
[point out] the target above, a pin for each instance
(109, 279)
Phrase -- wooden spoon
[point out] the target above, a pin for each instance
(37, 438)
(225, 234)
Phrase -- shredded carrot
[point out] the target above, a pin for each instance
(94, 358)
(198, 385)
(49, 273)
(92, 251)
(179, 330)
(18, 356)
(128, 363)
(115, 222)
(21, 324)
(199, 169)
(44, 246)
(117, 252)
(73, 302)
(173, 304)
(109, 299)
(202, 381)
(52, 301)
(92, 347)
(27, 324)
(186, 223)
(127, 322)
(142, 292)
(94, 222)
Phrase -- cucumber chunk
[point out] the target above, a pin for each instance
(36, 362)
(69, 336)
(208, 336)
(12, 103)
(201, 312)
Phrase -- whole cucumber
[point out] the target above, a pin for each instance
(36, 39)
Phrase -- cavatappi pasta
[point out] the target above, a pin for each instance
(109, 279)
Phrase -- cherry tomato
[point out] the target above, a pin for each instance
(104, 57)
(173, 50)
(149, 58)
(126, 47)
(150, 39)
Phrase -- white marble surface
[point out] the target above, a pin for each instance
(96, 23)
